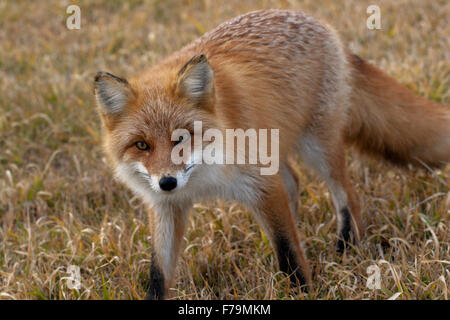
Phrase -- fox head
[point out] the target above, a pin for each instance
(145, 118)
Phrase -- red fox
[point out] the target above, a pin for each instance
(265, 69)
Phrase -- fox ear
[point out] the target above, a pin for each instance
(196, 80)
(112, 93)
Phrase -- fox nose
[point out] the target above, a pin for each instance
(168, 183)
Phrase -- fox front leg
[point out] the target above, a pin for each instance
(167, 224)
(276, 219)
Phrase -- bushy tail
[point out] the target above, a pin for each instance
(389, 120)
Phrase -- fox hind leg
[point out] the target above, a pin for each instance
(327, 158)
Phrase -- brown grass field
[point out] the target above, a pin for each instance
(60, 205)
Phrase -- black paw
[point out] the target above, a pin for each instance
(346, 235)
(341, 245)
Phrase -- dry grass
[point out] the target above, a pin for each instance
(60, 206)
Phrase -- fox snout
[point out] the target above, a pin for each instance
(168, 183)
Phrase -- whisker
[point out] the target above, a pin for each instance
(144, 175)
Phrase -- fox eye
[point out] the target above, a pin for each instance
(141, 145)
(182, 138)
